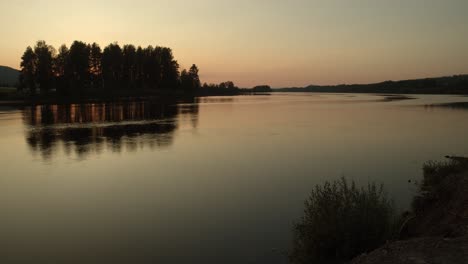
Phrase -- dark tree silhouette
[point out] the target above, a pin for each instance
(86, 69)
(129, 66)
(139, 67)
(262, 89)
(112, 59)
(95, 60)
(60, 65)
(229, 85)
(193, 72)
(44, 75)
(151, 68)
(190, 81)
(185, 80)
(28, 70)
(169, 69)
(79, 66)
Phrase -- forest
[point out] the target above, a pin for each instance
(456, 84)
(86, 69)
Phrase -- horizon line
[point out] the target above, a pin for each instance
(338, 84)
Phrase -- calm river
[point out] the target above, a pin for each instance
(212, 180)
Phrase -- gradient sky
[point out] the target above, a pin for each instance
(276, 42)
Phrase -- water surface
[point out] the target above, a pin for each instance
(210, 180)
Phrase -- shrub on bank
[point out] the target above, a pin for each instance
(440, 182)
(342, 221)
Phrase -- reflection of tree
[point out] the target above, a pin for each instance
(455, 105)
(86, 128)
(189, 111)
(95, 113)
(219, 99)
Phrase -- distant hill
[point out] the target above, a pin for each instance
(8, 76)
(457, 84)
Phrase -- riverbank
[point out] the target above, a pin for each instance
(436, 231)
(456, 84)
(10, 97)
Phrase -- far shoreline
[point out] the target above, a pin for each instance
(18, 100)
(125, 96)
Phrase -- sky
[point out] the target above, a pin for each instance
(281, 43)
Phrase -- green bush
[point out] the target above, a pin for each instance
(342, 221)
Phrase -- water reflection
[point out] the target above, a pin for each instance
(454, 105)
(217, 99)
(89, 128)
(226, 192)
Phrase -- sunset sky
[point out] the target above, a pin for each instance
(251, 42)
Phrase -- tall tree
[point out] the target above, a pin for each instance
(222, 85)
(44, 74)
(151, 67)
(79, 66)
(193, 72)
(60, 65)
(129, 66)
(95, 66)
(185, 80)
(112, 66)
(139, 71)
(169, 69)
(189, 80)
(229, 85)
(28, 70)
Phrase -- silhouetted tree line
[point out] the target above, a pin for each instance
(457, 84)
(86, 68)
(262, 89)
(223, 85)
(224, 88)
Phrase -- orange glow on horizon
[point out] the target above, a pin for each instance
(256, 42)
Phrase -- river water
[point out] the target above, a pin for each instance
(208, 180)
